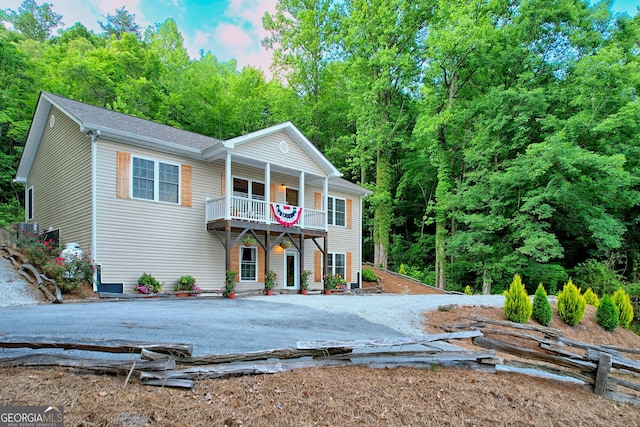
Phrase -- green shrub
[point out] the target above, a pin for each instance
(185, 283)
(467, 290)
(517, 305)
(597, 275)
(625, 309)
(607, 314)
(69, 274)
(541, 308)
(571, 305)
(368, 275)
(147, 284)
(591, 298)
(402, 270)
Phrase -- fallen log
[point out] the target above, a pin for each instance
(101, 365)
(551, 332)
(581, 365)
(93, 344)
(281, 353)
(383, 342)
(437, 357)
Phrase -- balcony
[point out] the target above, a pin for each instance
(259, 211)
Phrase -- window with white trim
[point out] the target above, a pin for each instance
(248, 264)
(337, 211)
(248, 189)
(337, 264)
(155, 180)
(29, 207)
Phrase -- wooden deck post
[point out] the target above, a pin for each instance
(604, 366)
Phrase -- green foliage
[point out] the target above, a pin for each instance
(39, 251)
(517, 305)
(596, 275)
(467, 290)
(571, 305)
(622, 302)
(229, 282)
(304, 279)
(147, 284)
(591, 298)
(402, 270)
(607, 314)
(542, 312)
(185, 283)
(368, 275)
(69, 274)
(270, 280)
(336, 281)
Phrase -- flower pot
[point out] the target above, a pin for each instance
(270, 292)
(303, 291)
(327, 292)
(232, 295)
(183, 295)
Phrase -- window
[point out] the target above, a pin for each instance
(292, 196)
(248, 189)
(154, 180)
(337, 211)
(248, 264)
(337, 264)
(29, 203)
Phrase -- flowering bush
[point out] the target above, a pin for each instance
(38, 250)
(304, 282)
(69, 273)
(147, 284)
(335, 281)
(270, 280)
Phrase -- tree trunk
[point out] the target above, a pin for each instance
(486, 282)
(382, 210)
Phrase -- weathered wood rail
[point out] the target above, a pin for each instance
(603, 369)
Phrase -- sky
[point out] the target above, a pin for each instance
(229, 29)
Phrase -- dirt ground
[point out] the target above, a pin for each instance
(346, 396)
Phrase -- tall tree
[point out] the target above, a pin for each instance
(120, 23)
(32, 20)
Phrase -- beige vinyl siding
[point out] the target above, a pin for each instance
(61, 180)
(163, 239)
(267, 149)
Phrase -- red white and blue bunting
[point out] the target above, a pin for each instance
(286, 215)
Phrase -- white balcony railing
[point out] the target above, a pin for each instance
(246, 209)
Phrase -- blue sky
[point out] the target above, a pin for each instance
(227, 28)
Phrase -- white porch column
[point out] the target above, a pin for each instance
(227, 187)
(267, 192)
(301, 196)
(325, 202)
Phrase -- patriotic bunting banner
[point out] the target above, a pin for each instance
(286, 215)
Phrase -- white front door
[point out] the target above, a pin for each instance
(291, 267)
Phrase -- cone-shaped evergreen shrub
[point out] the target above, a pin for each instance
(541, 308)
(571, 305)
(517, 305)
(591, 298)
(607, 314)
(467, 290)
(625, 309)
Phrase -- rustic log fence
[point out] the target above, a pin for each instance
(603, 369)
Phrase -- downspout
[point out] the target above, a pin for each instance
(94, 203)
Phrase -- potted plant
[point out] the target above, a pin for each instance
(147, 284)
(285, 243)
(186, 286)
(304, 281)
(230, 284)
(270, 281)
(249, 240)
(334, 282)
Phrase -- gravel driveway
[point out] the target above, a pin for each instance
(14, 289)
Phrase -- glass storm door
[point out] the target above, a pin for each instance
(291, 270)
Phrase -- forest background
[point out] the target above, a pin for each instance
(497, 136)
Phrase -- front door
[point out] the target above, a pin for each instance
(291, 270)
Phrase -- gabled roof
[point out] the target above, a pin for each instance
(132, 130)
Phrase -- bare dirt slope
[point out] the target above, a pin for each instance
(398, 285)
(351, 396)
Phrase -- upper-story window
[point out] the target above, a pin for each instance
(337, 211)
(155, 180)
(248, 188)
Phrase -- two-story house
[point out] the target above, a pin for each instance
(149, 198)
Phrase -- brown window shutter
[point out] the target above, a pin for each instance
(223, 186)
(235, 260)
(186, 176)
(274, 192)
(123, 174)
(348, 267)
(349, 212)
(317, 266)
(317, 199)
(261, 261)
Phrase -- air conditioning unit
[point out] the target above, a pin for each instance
(27, 228)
